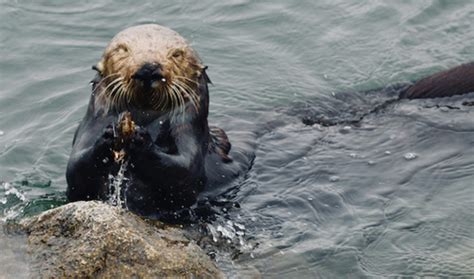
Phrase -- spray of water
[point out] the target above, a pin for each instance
(117, 186)
(118, 182)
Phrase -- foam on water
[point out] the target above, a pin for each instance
(12, 203)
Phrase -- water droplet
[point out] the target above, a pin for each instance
(310, 198)
(252, 256)
(410, 156)
(371, 163)
(353, 155)
(2, 133)
(334, 178)
(240, 226)
(387, 152)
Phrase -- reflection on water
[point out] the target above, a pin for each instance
(390, 196)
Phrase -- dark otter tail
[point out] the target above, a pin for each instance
(455, 81)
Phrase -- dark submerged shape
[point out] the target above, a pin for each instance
(150, 72)
(455, 81)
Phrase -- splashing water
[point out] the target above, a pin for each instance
(10, 190)
(118, 185)
(231, 233)
(12, 204)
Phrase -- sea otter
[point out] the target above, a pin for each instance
(151, 74)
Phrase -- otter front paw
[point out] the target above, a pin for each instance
(103, 145)
(140, 142)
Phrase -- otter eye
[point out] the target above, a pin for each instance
(177, 53)
(122, 48)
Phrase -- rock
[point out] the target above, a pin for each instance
(93, 239)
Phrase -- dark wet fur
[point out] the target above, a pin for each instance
(456, 81)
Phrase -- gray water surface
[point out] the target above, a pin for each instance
(392, 196)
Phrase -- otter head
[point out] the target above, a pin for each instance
(149, 67)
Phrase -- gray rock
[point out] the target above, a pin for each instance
(93, 239)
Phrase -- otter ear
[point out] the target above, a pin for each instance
(204, 74)
(99, 67)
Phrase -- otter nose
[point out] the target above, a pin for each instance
(148, 74)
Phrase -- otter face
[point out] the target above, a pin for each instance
(148, 66)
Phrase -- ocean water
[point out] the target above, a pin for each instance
(393, 196)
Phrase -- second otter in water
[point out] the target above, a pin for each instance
(150, 73)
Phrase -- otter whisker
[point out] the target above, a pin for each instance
(191, 99)
(190, 90)
(191, 94)
(188, 79)
(182, 106)
(102, 80)
(180, 99)
(113, 83)
(110, 75)
(114, 91)
(168, 98)
(163, 99)
(128, 90)
(103, 96)
(174, 99)
(121, 96)
(158, 99)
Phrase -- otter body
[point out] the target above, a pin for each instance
(150, 73)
